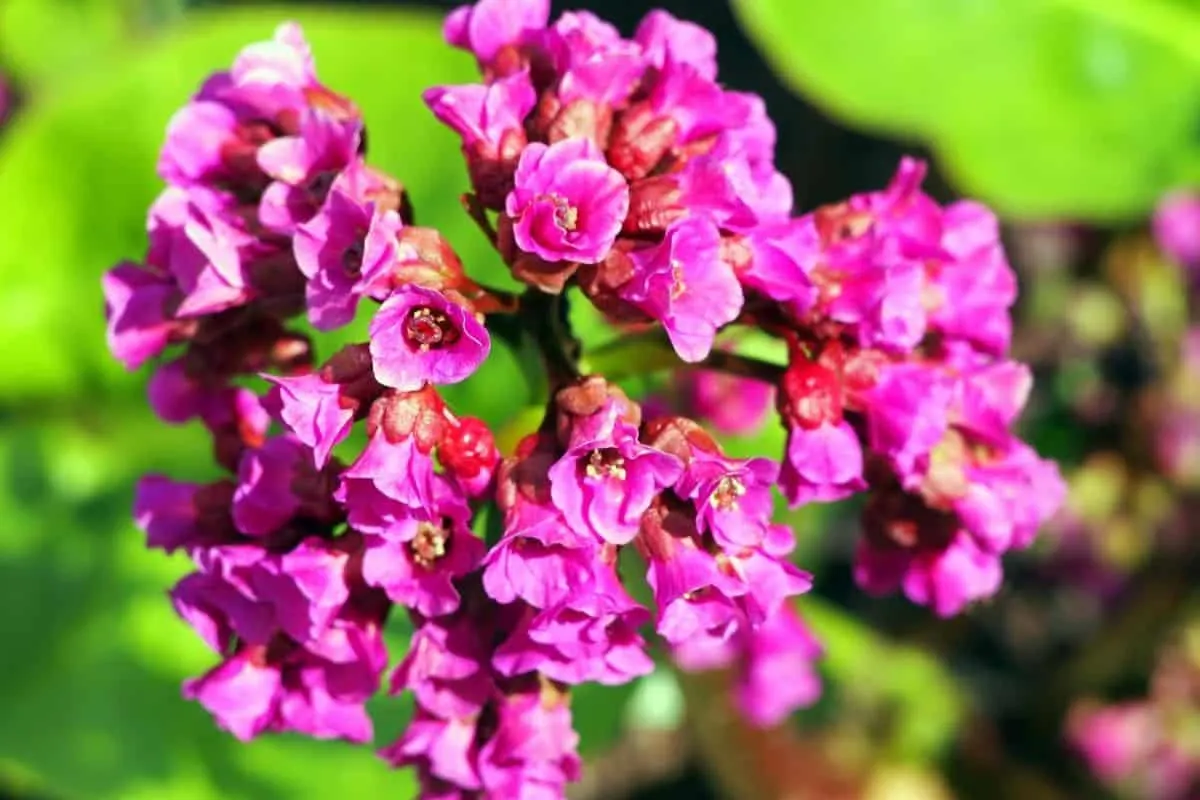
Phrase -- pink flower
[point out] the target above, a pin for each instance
(206, 250)
(822, 464)
(314, 411)
(174, 396)
(567, 204)
(441, 749)
(734, 187)
(589, 637)
(696, 601)
(487, 26)
(1137, 747)
(346, 252)
(417, 561)
(734, 406)
(303, 167)
(946, 580)
(594, 63)
(244, 590)
(732, 497)
(193, 152)
(781, 257)
(540, 559)
(306, 660)
(447, 667)
(139, 306)
(778, 671)
(975, 287)
(664, 37)
(607, 478)
(275, 75)
(907, 416)
(533, 752)
(241, 694)
(482, 113)
(683, 283)
(767, 581)
(1177, 227)
(302, 693)
(420, 335)
(1009, 497)
(824, 459)
(388, 484)
(989, 396)
(869, 258)
(695, 104)
(174, 514)
(264, 499)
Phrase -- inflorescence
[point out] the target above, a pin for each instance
(621, 168)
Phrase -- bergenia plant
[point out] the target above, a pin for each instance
(619, 170)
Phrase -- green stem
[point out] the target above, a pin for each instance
(545, 319)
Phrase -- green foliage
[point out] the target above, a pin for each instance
(1079, 108)
(914, 703)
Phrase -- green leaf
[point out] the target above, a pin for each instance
(44, 39)
(870, 677)
(77, 171)
(1080, 108)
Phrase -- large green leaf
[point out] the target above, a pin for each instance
(1080, 108)
(43, 40)
(77, 171)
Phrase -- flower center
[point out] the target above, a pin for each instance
(429, 544)
(729, 489)
(605, 464)
(428, 329)
(566, 216)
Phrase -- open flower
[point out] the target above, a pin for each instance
(421, 336)
(568, 204)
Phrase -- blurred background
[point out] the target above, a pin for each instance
(1075, 119)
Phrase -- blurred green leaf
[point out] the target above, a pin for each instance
(1077, 108)
(41, 40)
(867, 674)
(598, 713)
(77, 170)
(45, 42)
(657, 702)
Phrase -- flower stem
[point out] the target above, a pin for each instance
(478, 213)
(544, 318)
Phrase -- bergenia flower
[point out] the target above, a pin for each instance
(421, 336)
(567, 204)
(684, 284)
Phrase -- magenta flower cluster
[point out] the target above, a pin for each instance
(621, 169)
